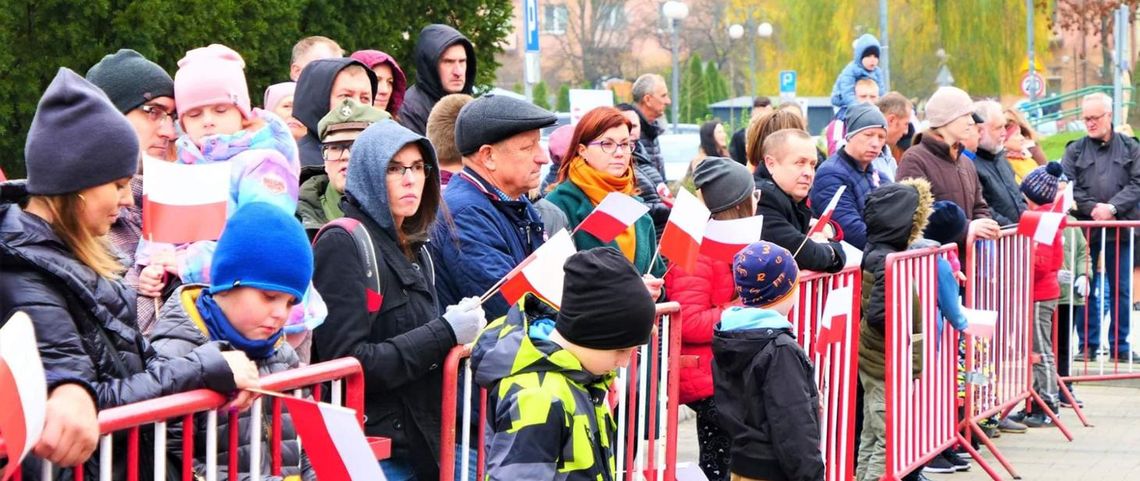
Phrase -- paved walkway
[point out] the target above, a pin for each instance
(1108, 451)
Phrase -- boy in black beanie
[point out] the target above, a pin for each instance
(547, 373)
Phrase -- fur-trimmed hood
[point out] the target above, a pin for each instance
(896, 214)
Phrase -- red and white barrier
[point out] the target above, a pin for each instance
(646, 442)
(920, 412)
(836, 367)
(999, 372)
(347, 389)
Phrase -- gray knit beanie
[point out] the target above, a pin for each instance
(77, 139)
(130, 80)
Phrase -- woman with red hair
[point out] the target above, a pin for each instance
(598, 162)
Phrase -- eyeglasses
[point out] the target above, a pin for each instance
(418, 169)
(156, 114)
(1093, 118)
(336, 151)
(610, 147)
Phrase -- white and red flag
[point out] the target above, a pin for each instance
(616, 213)
(23, 391)
(334, 441)
(541, 273)
(725, 238)
(980, 323)
(681, 239)
(836, 318)
(184, 202)
(1064, 202)
(825, 217)
(1042, 227)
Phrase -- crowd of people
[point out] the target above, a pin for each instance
(368, 218)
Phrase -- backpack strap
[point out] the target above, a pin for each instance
(366, 252)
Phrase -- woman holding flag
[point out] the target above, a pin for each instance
(727, 189)
(59, 270)
(597, 164)
(377, 277)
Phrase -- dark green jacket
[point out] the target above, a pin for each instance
(310, 204)
(577, 206)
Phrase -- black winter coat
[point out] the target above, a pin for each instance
(998, 187)
(767, 397)
(402, 347)
(85, 327)
(647, 181)
(786, 224)
(648, 141)
(419, 100)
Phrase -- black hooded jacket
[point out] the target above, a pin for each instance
(648, 141)
(647, 181)
(311, 102)
(768, 402)
(418, 102)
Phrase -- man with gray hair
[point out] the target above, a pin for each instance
(994, 172)
(312, 48)
(652, 98)
(1105, 170)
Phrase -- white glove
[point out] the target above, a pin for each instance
(1065, 277)
(1081, 286)
(466, 319)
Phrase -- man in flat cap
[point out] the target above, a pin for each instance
(493, 225)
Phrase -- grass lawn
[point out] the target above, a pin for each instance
(1054, 145)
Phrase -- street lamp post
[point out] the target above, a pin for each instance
(675, 11)
(763, 31)
(735, 32)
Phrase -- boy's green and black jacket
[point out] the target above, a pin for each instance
(547, 417)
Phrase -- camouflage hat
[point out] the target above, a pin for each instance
(348, 120)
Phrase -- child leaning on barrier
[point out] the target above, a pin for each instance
(261, 268)
(1040, 190)
(548, 373)
(763, 381)
(895, 215)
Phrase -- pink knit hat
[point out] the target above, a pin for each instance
(208, 76)
(278, 92)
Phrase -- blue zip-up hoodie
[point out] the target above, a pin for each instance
(841, 169)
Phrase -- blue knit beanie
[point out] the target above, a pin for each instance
(263, 247)
(77, 139)
(947, 223)
(1040, 185)
(765, 274)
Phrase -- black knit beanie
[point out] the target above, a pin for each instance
(605, 304)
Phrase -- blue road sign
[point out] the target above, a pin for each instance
(530, 24)
(788, 82)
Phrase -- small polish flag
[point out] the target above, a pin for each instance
(725, 238)
(23, 391)
(681, 239)
(980, 323)
(836, 318)
(1042, 227)
(541, 273)
(1064, 202)
(613, 216)
(184, 202)
(334, 441)
(826, 216)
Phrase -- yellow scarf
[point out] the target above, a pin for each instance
(596, 185)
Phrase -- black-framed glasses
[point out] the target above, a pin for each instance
(610, 147)
(336, 150)
(156, 114)
(418, 169)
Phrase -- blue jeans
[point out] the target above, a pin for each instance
(398, 470)
(1114, 286)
